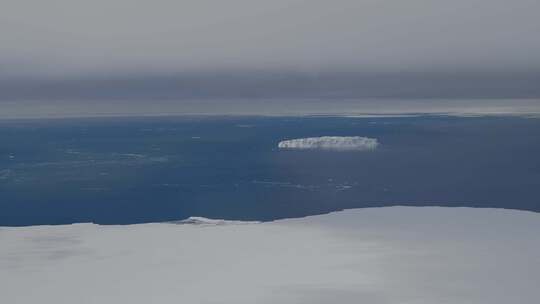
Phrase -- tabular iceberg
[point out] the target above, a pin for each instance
(342, 143)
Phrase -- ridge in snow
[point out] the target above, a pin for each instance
(203, 221)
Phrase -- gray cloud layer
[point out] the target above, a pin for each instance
(165, 49)
(122, 36)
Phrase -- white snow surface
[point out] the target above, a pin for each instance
(379, 255)
(331, 143)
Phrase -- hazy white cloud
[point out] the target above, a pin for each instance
(119, 36)
(63, 53)
(340, 143)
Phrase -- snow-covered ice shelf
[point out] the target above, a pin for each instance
(379, 255)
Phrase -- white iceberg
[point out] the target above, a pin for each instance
(340, 143)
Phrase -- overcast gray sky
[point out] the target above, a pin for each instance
(115, 36)
(278, 48)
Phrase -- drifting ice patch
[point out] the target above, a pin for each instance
(5, 174)
(343, 143)
(195, 220)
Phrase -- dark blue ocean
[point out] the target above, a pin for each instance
(134, 170)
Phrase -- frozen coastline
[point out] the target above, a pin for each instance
(374, 255)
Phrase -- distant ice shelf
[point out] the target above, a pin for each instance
(340, 143)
